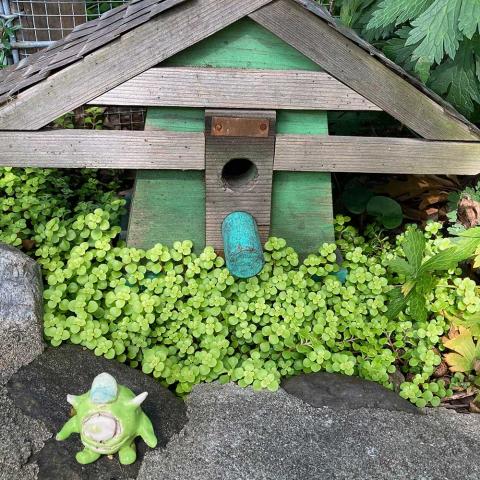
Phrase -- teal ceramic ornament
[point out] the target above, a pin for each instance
(242, 245)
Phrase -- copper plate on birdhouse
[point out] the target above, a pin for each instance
(240, 127)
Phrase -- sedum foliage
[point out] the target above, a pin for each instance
(184, 319)
(437, 40)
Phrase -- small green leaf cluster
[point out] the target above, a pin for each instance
(32, 197)
(419, 272)
(8, 27)
(423, 394)
(358, 199)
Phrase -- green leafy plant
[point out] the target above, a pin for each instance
(93, 118)
(181, 317)
(95, 8)
(470, 322)
(351, 12)
(419, 274)
(7, 29)
(184, 319)
(473, 234)
(90, 118)
(436, 40)
(67, 120)
(386, 211)
(360, 200)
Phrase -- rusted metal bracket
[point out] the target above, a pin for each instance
(240, 127)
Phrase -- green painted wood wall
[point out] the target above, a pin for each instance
(170, 205)
(302, 210)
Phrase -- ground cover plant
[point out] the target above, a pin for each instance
(436, 40)
(184, 319)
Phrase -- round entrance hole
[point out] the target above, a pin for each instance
(239, 174)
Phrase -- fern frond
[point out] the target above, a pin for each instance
(456, 79)
(436, 32)
(469, 18)
(397, 12)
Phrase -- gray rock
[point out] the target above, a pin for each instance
(21, 307)
(40, 390)
(20, 438)
(342, 391)
(236, 434)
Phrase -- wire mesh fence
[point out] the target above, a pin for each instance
(41, 22)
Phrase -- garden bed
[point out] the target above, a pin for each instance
(356, 307)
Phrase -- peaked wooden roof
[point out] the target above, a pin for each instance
(124, 42)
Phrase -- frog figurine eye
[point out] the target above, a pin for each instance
(108, 418)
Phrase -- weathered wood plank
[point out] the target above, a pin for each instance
(353, 66)
(169, 206)
(133, 53)
(185, 148)
(239, 188)
(375, 155)
(235, 88)
(302, 211)
(103, 149)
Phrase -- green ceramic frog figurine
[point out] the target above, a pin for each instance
(108, 419)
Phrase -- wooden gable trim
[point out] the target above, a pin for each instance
(235, 88)
(355, 67)
(119, 61)
(186, 151)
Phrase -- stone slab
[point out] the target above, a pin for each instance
(21, 311)
(40, 390)
(342, 391)
(20, 438)
(238, 434)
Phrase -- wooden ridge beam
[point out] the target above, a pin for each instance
(311, 153)
(131, 54)
(235, 88)
(355, 67)
(103, 149)
(146, 150)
